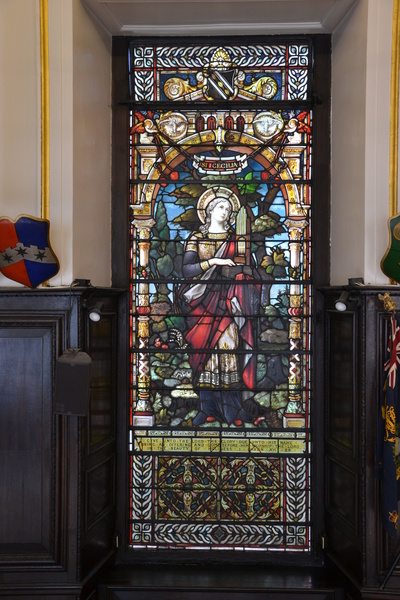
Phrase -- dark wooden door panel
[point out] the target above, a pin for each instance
(57, 471)
(26, 431)
(355, 347)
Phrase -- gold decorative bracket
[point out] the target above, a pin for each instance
(388, 303)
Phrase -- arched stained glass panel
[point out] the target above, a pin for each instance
(220, 447)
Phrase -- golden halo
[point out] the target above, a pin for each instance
(211, 194)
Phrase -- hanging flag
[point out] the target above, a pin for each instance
(389, 433)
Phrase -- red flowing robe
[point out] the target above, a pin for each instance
(222, 303)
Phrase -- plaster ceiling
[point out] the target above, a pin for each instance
(213, 17)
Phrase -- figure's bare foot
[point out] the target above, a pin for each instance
(238, 422)
(210, 419)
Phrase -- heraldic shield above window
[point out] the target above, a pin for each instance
(220, 319)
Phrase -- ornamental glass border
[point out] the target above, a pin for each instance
(221, 306)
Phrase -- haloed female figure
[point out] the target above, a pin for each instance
(217, 307)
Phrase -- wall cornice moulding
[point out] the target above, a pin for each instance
(236, 17)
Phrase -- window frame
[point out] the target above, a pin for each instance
(121, 105)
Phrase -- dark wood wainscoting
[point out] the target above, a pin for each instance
(57, 471)
(59, 474)
(354, 355)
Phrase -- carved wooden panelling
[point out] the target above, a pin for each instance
(342, 497)
(27, 527)
(355, 343)
(341, 379)
(102, 388)
(99, 491)
(57, 471)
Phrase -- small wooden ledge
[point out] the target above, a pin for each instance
(236, 582)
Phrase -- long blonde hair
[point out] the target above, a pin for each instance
(209, 208)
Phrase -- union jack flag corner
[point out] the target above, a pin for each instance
(388, 455)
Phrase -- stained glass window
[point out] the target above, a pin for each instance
(221, 302)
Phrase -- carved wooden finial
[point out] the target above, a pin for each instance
(388, 303)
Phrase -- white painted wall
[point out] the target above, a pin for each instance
(360, 142)
(19, 110)
(91, 150)
(62, 184)
(80, 136)
(80, 133)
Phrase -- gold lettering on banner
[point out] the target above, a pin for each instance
(178, 445)
(235, 446)
(215, 445)
(157, 444)
(190, 444)
(146, 444)
(263, 445)
(143, 444)
(201, 445)
(292, 446)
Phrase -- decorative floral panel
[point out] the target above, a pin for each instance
(220, 200)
